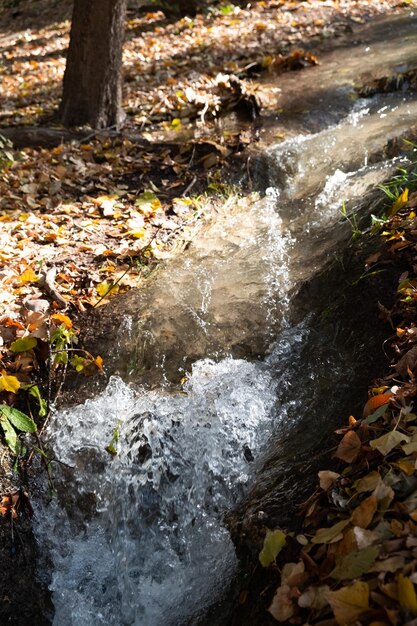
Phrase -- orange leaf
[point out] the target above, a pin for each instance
(99, 362)
(375, 402)
(349, 447)
(8, 321)
(64, 319)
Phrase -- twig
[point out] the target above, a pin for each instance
(248, 173)
(190, 186)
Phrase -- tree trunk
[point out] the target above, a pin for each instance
(93, 74)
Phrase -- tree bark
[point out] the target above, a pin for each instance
(93, 74)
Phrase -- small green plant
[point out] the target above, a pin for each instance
(352, 221)
(62, 339)
(112, 447)
(11, 420)
(227, 9)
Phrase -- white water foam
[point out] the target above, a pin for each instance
(155, 549)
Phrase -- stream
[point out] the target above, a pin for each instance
(225, 362)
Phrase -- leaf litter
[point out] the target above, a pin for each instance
(359, 529)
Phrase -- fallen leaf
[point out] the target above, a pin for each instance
(388, 442)
(407, 362)
(9, 383)
(363, 514)
(282, 607)
(368, 482)
(375, 402)
(327, 478)
(330, 535)
(349, 603)
(293, 574)
(23, 344)
(28, 276)
(364, 538)
(273, 543)
(61, 318)
(355, 564)
(314, 598)
(349, 448)
(407, 594)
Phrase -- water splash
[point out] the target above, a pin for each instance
(154, 549)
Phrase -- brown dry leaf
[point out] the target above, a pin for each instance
(314, 598)
(364, 538)
(368, 483)
(363, 514)
(349, 448)
(391, 564)
(349, 603)
(407, 362)
(327, 478)
(348, 544)
(384, 494)
(282, 607)
(293, 574)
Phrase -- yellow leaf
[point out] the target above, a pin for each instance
(273, 543)
(349, 603)
(28, 276)
(137, 234)
(407, 594)
(9, 383)
(107, 289)
(400, 202)
(388, 442)
(103, 289)
(64, 319)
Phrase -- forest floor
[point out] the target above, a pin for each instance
(83, 221)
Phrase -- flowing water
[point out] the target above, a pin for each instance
(138, 538)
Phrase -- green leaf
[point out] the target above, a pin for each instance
(376, 414)
(23, 344)
(273, 543)
(111, 449)
(61, 358)
(355, 564)
(18, 419)
(388, 442)
(329, 535)
(10, 436)
(33, 390)
(78, 363)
